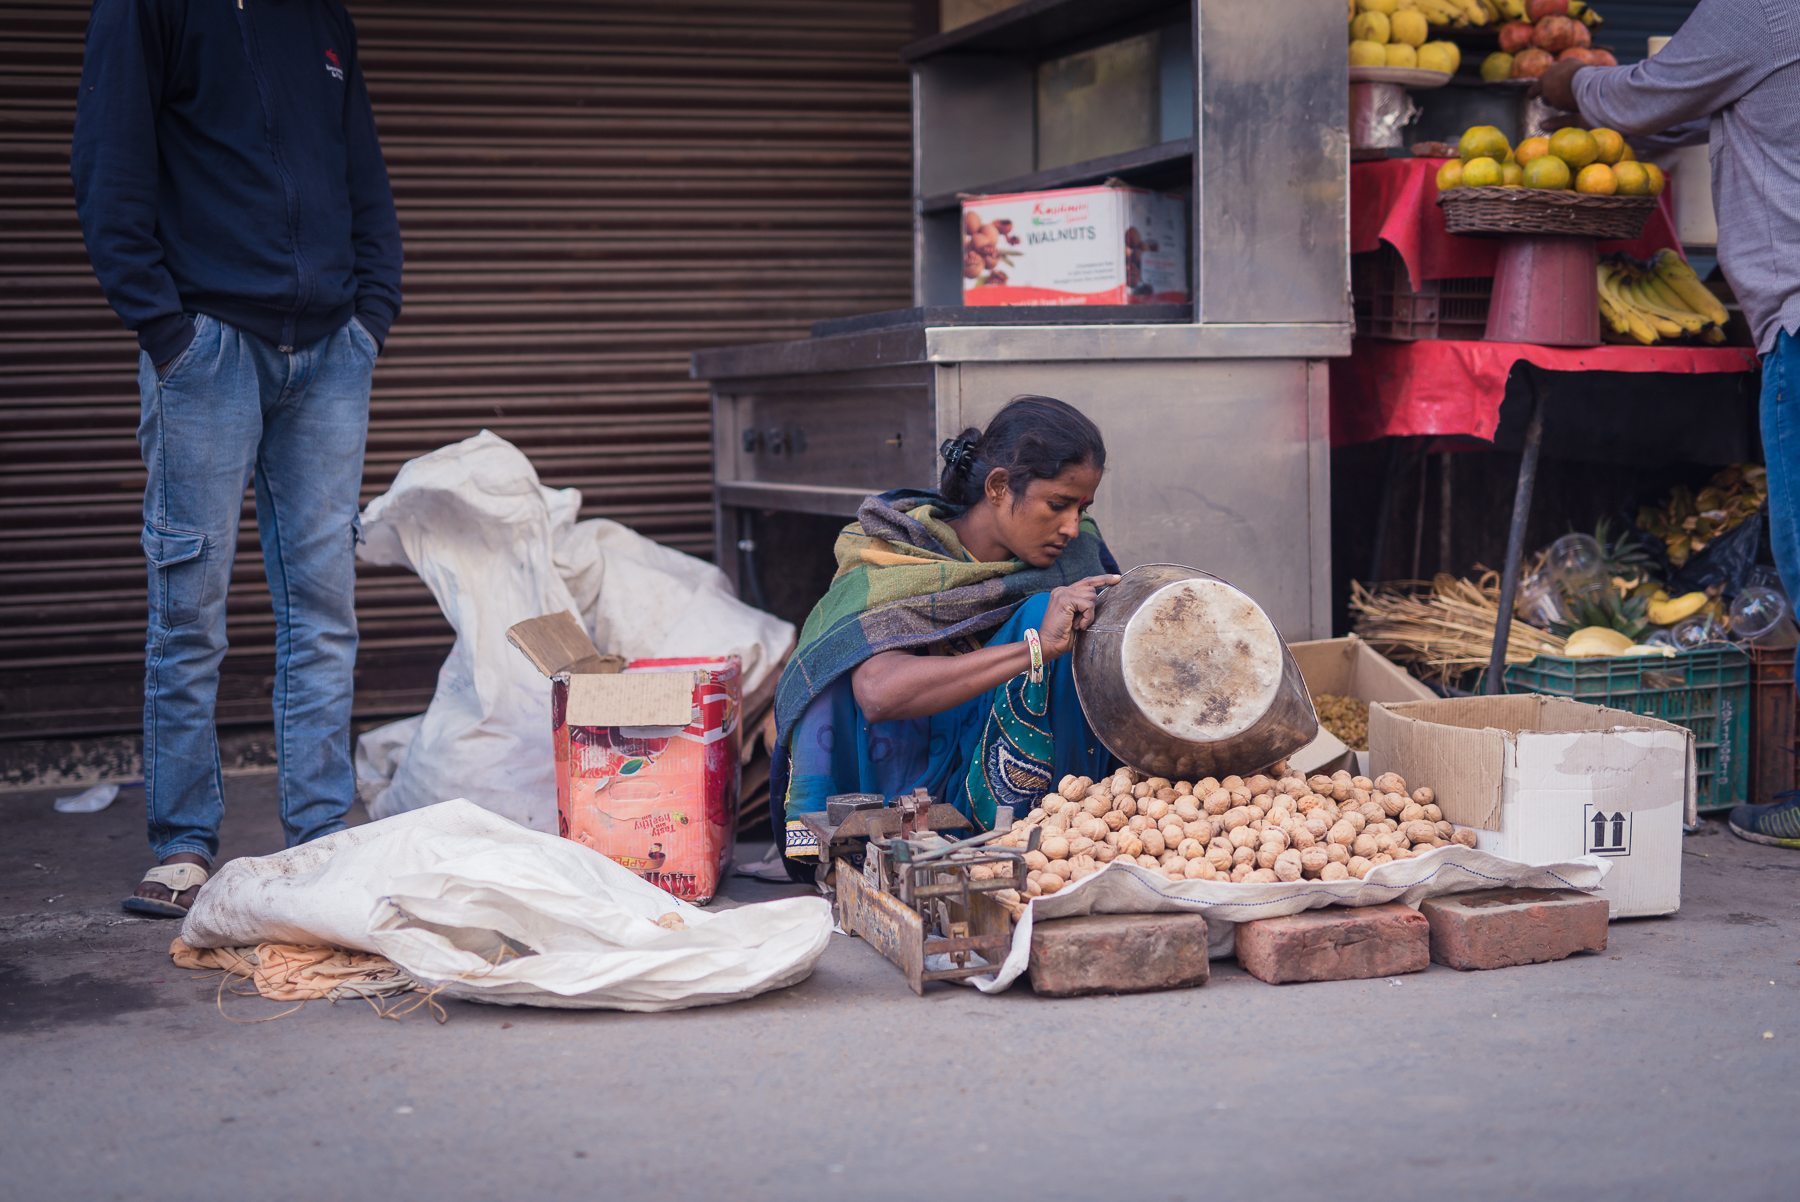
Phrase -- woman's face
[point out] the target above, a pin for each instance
(1039, 524)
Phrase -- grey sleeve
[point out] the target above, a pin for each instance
(1722, 51)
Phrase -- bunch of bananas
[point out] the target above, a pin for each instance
(1461, 13)
(1659, 300)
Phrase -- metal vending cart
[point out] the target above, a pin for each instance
(1214, 412)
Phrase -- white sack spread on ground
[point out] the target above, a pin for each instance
(496, 548)
(1122, 888)
(449, 892)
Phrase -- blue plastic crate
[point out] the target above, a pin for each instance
(1707, 691)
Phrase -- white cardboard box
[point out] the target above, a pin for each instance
(1348, 667)
(1543, 779)
(1101, 245)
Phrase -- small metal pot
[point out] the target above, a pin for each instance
(1182, 675)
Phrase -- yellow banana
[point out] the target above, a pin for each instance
(1686, 286)
(1669, 305)
(1713, 336)
(1649, 310)
(1473, 11)
(1512, 10)
(1437, 12)
(1635, 323)
(1610, 316)
(1489, 13)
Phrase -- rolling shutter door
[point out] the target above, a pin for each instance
(587, 191)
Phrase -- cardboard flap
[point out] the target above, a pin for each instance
(556, 643)
(1620, 770)
(1449, 746)
(631, 699)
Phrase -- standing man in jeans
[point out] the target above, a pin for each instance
(237, 212)
(1731, 76)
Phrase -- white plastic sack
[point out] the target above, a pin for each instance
(496, 548)
(1128, 888)
(450, 892)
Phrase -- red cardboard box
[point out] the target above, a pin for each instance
(646, 756)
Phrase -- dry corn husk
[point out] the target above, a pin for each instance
(1446, 630)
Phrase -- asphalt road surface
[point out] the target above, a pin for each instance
(1667, 1066)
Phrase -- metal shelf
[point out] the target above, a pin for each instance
(1164, 155)
(1036, 25)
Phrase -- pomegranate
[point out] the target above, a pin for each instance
(1601, 58)
(1555, 34)
(1582, 37)
(1577, 54)
(1537, 10)
(1531, 63)
(1515, 36)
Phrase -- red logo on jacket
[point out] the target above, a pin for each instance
(333, 68)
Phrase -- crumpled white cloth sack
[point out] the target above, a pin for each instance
(1127, 888)
(493, 912)
(495, 547)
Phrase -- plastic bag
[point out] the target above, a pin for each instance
(492, 912)
(1727, 560)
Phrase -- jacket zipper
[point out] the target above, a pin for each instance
(302, 278)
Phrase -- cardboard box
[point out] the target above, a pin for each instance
(1102, 245)
(646, 755)
(1348, 667)
(1543, 779)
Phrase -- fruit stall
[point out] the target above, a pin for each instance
(1508, 273)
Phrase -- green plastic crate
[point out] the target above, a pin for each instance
(1707, 691)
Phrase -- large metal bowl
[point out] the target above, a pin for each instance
(1182, 675)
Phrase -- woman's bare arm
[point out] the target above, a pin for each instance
(898, 684)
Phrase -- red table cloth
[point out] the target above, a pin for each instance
(1395, 201)
(1446, 387)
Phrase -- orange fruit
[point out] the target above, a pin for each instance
(1612, 146)
(1483, 142)
(1511, 175)
(1481, 173)
(1628, 155)
(1633, 180)
(1450, 175)
(1547, 171)
(1657, 181)
(1531, 148)
(1597, 179)
(1576, 147)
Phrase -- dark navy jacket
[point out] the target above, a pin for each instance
(226, 163)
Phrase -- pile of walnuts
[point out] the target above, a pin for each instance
(1262, 829)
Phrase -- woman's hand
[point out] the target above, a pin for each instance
(1071, 608)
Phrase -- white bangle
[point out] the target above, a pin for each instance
(1037, 655)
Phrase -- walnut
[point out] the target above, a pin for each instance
(1035, 816)
(1049, 883)
(1359, 867)
(1259, 784)
(1313, 858)
(1127, 806)
(1036, 861)
(1420, 831)
(1080, 845)
(1220, 860)
(1055, 848)
(1256, 812)
(1105, 853)
(1243, 855)
(1075, 788)
(1115, 821)
(1267, 854)
(1153, 842)
(1393, 803)
(1335, 872)
(1147, 860)
(1465, 837)
(1133, 847)
(1154, 807)
(1236, 817)
(1274, 836)
(1372, 811)
(1301, 836)
(1317, 826)
(1391, 782)
(1241, 873)
(1185, 809)
(1433, 813)
(1262, 876)
(1201, 870)
(1360, 796)
(1307, 803)
(1139, 823)
(1190, 849)
(1142, 791)
(1216, 802)
(1363, 783)
(1061, 868)
(1034, 886)
(1231, 784)
(1243, 836)
(1424, 796)
(1287, 866)
(1342, 833)
(1381, 858)
(1205, 785)
(1357, 821)
(1199, 829)
(1364, 845)
(1444, 830)
(1337, 853)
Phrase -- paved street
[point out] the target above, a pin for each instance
(1641, 1072)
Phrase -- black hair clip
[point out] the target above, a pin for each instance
(955, 451)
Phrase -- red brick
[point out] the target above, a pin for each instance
(1494, 928)
(1118, 953)
(1335, 944)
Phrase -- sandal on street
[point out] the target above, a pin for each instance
(177, 879)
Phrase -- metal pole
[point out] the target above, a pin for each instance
(1379, 554)
(1515, 539)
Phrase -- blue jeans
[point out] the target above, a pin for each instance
(230, 409)
(1781, 452)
